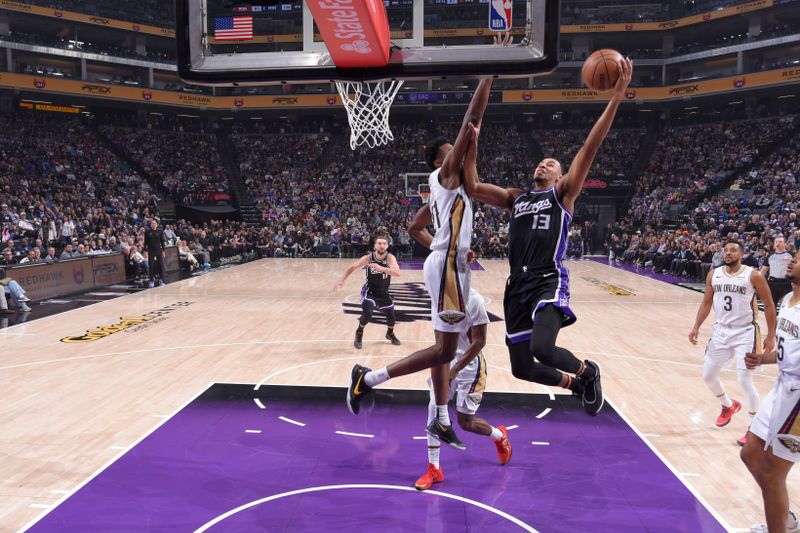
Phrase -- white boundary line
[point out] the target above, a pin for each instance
(256, 431)
(362, 435)
(543, 413)
(112, 461)
(289, 420)
(259, 403)
(540, 443)
(677, 474)
(509, 428)
(498, 512)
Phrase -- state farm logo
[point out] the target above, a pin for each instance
(668, 24)
(39, 84)
(630, 94)
(147, 95)
(238, 102)
(684, 90)
(331, 100)
(285, 100)
(77, 275)
(527, 96)
(739, 83)
(95, 89)
(360, 47)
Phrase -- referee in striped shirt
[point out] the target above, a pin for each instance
(775, 270)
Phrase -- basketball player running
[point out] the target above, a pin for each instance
(467, 374)
(773, 442)
(536, 300)
(731, 289)
(381, 267)
(446, 272)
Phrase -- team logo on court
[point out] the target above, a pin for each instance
(411, 303)
(616, 290)
(132, 323)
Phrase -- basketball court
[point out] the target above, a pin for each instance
(219, 404)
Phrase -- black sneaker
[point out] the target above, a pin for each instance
(445, 434)
(359, 338)
(593, 393)
(391, 337)
(357, 389)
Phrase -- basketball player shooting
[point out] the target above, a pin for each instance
(446, 270)
(381, 267)
(536, 300)
(731, 289)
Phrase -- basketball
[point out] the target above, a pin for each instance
(601, 69)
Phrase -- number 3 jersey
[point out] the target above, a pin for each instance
(538, 232)
(734, 297)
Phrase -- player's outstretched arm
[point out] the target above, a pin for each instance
(704, 310)
(478, 342)
(450, 174)
(762, 288)
(569, 187)
(485, 192)
(418, 229)
(361, 263)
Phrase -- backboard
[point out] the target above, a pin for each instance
(258, 42)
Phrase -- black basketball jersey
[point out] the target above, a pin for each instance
(538, 232)
(378, 282)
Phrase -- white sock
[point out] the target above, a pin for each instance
(725, 400)
(442, 415)
(433, 453)
(374, 378)
(496, 435)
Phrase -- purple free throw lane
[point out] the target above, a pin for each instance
(595, 474)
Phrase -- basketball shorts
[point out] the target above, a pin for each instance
(777, 422)
(448, 281)
(468, 386)
(729, 344)
(528, 292)
(382, 300)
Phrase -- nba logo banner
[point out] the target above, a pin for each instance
(500, 15)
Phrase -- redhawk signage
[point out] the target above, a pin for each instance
(356, 32)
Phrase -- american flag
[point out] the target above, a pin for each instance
(233, 28)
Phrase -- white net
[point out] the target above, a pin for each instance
(367, 105)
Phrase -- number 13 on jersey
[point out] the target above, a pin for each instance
(541, 221)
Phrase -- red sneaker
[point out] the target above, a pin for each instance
(503, 446)
(741, 442)
(433, 475)
(727, 413)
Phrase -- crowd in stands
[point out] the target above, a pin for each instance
(152, 12)
(755, 206)
(83, 46)
(187, 164)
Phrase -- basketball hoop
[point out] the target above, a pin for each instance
(367, 105)
(425, 195)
